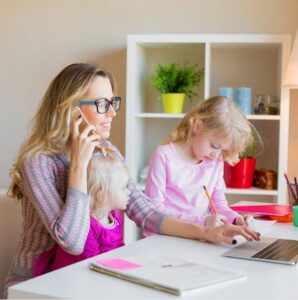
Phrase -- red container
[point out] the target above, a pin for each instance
(241, 175)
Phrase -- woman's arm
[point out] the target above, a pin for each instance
(221, 234)
(82, 148)
(139, 208)
(65, 214)
(141, 211)
(66, 220)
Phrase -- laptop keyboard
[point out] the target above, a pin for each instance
(283, 250)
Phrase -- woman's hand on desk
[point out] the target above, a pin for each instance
(221, 234)
(226, 234)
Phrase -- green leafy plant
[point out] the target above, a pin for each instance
(177, 78)
(254, 147)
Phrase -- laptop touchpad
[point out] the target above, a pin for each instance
(248, 249)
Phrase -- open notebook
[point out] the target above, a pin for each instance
(165, 273)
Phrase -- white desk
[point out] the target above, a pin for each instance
(264, 280)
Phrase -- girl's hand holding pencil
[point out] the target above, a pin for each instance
(229, 231)
(210, 200)
(215, 220)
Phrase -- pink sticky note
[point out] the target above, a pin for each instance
(117, 263)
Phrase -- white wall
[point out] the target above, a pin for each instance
(293, 135)
(39, 37)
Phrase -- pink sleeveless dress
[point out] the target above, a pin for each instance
(100, 239)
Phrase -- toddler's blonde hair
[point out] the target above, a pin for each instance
(220, 116)
(106, 174)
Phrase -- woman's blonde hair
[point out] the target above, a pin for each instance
(106, 174)
(50, 132)
(221, 117)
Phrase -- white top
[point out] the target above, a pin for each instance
(264, 280)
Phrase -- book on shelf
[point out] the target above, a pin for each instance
(165, 273)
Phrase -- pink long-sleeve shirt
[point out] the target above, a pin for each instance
(175, 187)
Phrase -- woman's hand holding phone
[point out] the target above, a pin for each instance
(84, 139)
(78, 114)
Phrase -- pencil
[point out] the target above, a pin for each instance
(210, 200)
(290, 187)
(296, 185)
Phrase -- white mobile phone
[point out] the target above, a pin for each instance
(75, 114)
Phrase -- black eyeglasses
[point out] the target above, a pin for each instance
(103, 104)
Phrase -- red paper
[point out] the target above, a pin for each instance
(266, 210)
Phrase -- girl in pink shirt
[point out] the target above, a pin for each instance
(193, 157)
(108, 194)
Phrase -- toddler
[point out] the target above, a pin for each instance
(108, 194)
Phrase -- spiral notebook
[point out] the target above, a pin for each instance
(165, 273)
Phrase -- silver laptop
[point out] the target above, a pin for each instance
(275, 250)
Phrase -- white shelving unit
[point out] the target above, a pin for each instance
(257, 61)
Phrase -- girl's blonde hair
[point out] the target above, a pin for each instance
(106, 174)
(50, 132)
(221, 117)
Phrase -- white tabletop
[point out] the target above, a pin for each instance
(264, 280)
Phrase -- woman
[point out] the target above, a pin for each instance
(50, 174)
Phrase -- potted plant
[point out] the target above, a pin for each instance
(241, 174)
(174, 81)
